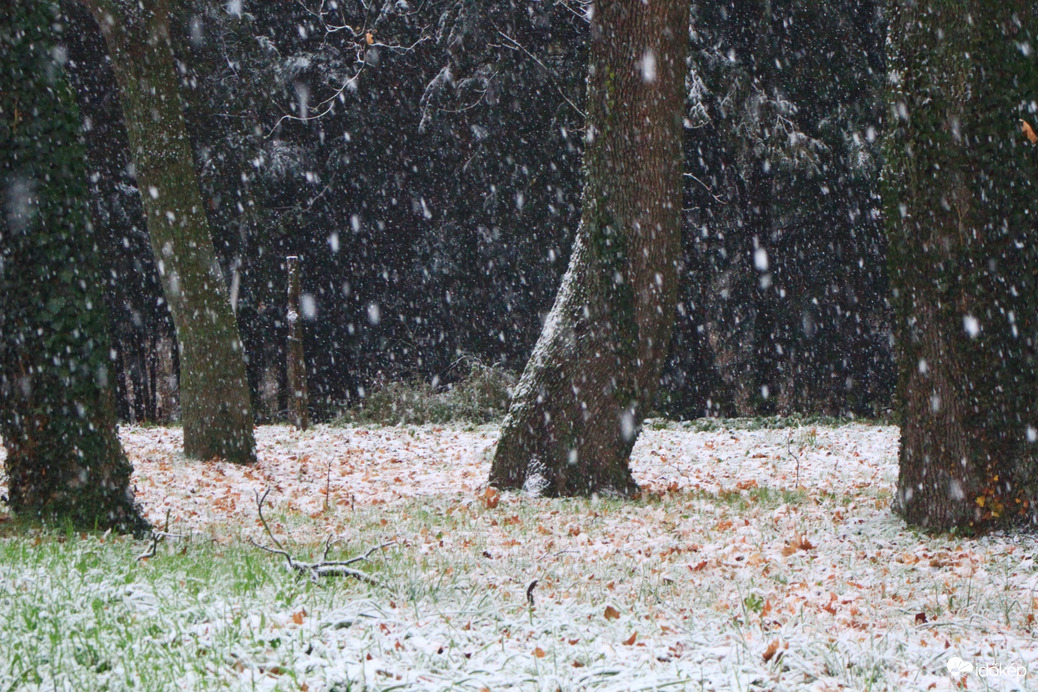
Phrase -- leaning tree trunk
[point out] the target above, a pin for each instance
(581, 400)
(962, 205)
(57, 413)
(214, 395)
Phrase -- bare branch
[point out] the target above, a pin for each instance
(157, 536)
(515, 45)
(322, 568)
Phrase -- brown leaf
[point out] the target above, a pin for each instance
(611, 613)
(1028, 131)
(920, 618)
(491, 497)
(630, 640)
(297, 618)
(772, 649)
(539, 652)
(369, 38)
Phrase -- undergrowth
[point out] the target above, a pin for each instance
(480, 394)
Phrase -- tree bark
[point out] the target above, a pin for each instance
(961, 206)
(296, 366)
(215, 404)
(585, 391)
(57, 413)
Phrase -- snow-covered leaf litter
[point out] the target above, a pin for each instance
(723, 560)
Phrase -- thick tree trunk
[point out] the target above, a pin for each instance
(962, 205)
(214, 395)
(57, 414)
(581, 400)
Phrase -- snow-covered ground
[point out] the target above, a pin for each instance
(756, 559)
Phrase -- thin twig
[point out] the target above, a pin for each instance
(707, 187)
(551, 73)
(789, 448)
(328, 486)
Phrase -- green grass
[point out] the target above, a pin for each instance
(82, 612)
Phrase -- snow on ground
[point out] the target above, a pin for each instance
(758, 559)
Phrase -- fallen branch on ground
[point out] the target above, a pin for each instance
(322, 568)
(157, 536)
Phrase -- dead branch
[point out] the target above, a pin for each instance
(322, 568)
(157, 536)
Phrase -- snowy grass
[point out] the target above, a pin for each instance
(735, 571)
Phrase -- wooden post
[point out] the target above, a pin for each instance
(297, 407)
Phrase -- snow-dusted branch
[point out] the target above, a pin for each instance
(156, 537)
(322, 568)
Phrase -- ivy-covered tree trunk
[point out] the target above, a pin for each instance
(962, 206)
(57, 414)
(584, 393)
(214, 395)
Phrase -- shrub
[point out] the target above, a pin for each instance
(480, 394)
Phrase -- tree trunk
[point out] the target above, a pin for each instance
(961, 205)
(214, 395)
(296, 366)
(57, 414)
(584, 393)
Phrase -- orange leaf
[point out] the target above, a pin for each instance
(1028, 131)
(369, 38)
(772, 649)
(297, 618)
(611, 613)
(539, 652)
(491, 497)
(630, 640)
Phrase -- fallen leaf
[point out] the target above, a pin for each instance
(491, 497)
(539, 652)
(630, 640)
(611, 613)
(1029, 131)
(297, 618)
(772, 649)
(920, 618)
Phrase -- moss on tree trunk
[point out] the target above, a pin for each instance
(961, 205)
(214, 395)
(57, 415)
(584, 393)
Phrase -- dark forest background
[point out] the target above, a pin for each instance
(423, 160)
